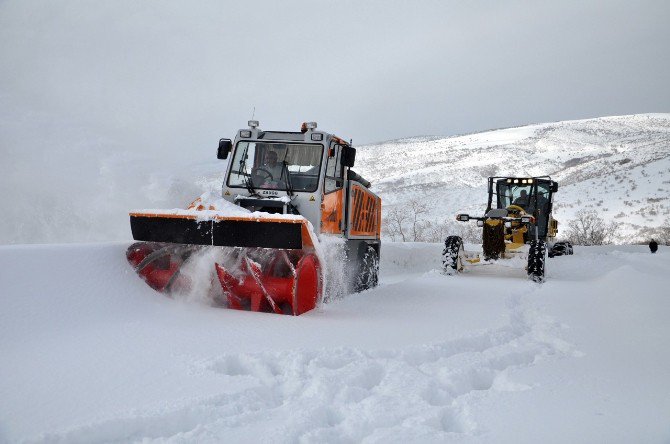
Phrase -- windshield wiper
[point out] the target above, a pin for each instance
(289, 185)
(247, 177)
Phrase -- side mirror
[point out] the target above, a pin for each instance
(462, 217)
(348, 156)
(225, 145)
(554, 187)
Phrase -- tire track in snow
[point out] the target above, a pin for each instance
(346, 394)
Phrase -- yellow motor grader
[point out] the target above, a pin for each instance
(518, 223)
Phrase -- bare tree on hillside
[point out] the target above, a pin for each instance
(438, 232)
(664, 233)
(435, 232)
(394, 224)
(590, 229)
(416, 209)
(407, 223)
(470, 232)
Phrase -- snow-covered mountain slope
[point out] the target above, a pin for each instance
(88, 353)
(619, 166)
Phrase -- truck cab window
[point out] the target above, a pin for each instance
(333, 180)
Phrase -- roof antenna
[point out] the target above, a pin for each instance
(253, 113)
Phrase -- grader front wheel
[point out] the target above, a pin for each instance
(536, 259)
(452, 255)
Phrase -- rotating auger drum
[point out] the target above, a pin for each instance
(262, 280)
(277, 280)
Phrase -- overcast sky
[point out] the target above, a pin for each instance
(173, 75)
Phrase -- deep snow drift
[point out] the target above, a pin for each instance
(91, 354)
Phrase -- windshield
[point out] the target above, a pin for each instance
(276, 166)
(530, 194)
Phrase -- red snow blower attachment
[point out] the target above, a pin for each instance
(272, 266)
(258, 231)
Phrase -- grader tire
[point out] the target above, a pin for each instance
(536, 260)
(452, 255)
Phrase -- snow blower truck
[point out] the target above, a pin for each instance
(518, 223)
(283, 193)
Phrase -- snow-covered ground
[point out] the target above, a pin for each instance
(88, 353)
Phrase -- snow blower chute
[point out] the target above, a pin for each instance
(281, 189)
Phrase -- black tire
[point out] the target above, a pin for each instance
(452, 255)
(368, 274)
(536, 255)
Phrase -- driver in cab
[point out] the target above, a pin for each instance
(522, 201)
(271, 171)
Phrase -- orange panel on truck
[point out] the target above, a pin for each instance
(331, 212)
(366, 210)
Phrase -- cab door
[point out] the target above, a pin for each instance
(332, 206)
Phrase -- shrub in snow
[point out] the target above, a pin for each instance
(590, 229)
(663, 235)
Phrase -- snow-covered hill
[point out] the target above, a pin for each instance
(619, 166)
(88, 353)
